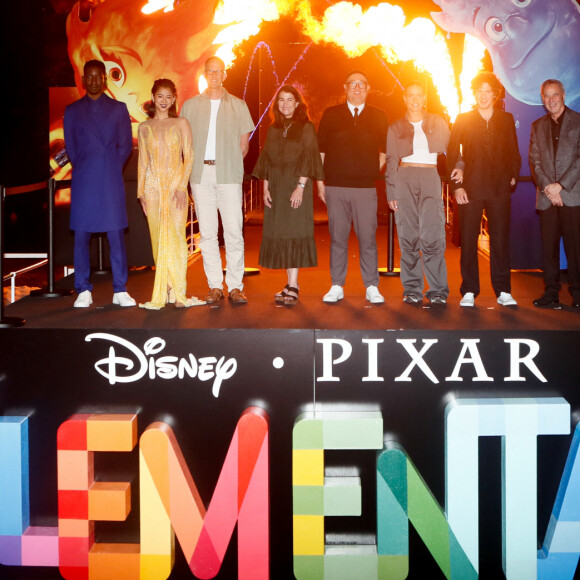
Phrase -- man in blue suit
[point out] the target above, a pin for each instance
(98, 140)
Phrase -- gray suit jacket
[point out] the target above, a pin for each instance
(565, 167)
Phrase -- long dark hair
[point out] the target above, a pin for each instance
(300, 113)
(163, 84)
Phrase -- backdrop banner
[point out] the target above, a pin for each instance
(288, 453)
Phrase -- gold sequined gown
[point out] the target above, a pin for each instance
(165, 162)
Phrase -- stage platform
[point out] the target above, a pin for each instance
(354, 312)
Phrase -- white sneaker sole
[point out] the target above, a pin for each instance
(332, 300)
(117, 302)
(83, 303)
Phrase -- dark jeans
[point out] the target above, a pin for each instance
(557, 222)
(498, 219)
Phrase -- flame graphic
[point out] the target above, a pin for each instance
(473, 52)
(242, 20)
(237, 21)
(120, 33)
(354, 30)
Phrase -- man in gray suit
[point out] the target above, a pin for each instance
(555, 163)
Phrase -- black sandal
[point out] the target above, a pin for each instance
(281, 296)
(291, 298)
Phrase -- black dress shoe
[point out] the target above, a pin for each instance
(546, 301)
(576, 304)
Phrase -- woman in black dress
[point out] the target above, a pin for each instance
(288, 164)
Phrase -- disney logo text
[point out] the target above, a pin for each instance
(163, 367)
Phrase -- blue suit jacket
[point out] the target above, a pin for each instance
(98, 141)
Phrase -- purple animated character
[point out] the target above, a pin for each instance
(528, 40)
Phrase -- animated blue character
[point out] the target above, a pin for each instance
(528, 41)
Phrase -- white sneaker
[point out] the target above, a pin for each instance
(123, 299)
(506, 299)
(84, 300)
(374, 296)
(468, 299)
(335, 294)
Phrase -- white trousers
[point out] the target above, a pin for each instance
(211, 197)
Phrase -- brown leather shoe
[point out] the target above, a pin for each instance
(238, 297)
(215, 295)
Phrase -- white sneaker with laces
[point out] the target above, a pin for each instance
(374, 296)
(84, 300)
(335, 294)
(506, 299)
(123, 299)
(468, 299)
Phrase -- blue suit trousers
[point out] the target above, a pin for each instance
(82, 260)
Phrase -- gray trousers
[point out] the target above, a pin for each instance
(347, 207)
(421, 229)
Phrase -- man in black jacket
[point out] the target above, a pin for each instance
(484, 162)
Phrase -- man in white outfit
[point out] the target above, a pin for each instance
(221, 125)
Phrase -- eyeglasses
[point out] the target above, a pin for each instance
(213, 71)
(355, 84)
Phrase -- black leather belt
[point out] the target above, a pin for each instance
(209, 162)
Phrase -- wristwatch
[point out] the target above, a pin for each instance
(302, 185)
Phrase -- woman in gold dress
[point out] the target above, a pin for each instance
(165, 162)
